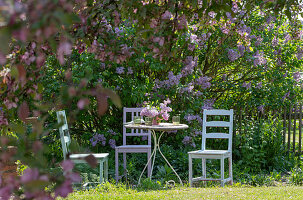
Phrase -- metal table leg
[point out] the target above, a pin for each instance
(157, 146)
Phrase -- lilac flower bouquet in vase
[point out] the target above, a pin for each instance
(157, 113)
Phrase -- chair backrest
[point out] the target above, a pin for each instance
(227, 124)
(128, 115)
(64, 132)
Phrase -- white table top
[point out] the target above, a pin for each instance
(160, 127)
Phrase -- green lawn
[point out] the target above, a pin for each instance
(112, 192)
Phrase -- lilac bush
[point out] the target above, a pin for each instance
(44, 41)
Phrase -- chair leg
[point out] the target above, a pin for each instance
(106, 170)
(117, 164)
(204, 169)
(230, 163)
(124, 165)
(222, 171)
(149, 164)
(101, 171)
(190, 173)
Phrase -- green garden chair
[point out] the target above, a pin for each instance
(102, 158)
(204, 154)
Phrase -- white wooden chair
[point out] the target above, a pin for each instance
(102, 158)
(128, 115)
(214, 154)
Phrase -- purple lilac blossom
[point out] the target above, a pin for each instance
(112, 143)
(98, 138)
(194, 38)
(182, 22)
(285, 96)
(119, 31)
(241, 49)
(224, 29)
(259, 85)
(259, 41)
(194, 28)
(188, 89)
(190, 63)
(261, 108)
(129, 71)
(197, 133)
(212, 14)
(235, 7)
(244, 31)
(297, 76)
(203, 81)
(189, 118)
(120, 70)
(172, 80)
(110, 131)
(187, 140)
(208, 104)
(165, 116)
(198, 93)
(191, 47)
(299, 55)
(232, 55)
(242, 13)
(167, 15)
(149, 112)
(259, 59)
(275, 41)
(246, 85)
(287, 38)
(102, 66)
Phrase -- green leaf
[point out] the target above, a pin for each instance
(5, 39)
(18, 128)
(36, 185)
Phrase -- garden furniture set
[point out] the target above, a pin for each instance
(224, 126)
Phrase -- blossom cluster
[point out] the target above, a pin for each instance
(98, 138)
(161, 111)
(189, 118)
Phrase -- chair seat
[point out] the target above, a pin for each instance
(133, 147)
(210, 152)
(82, 156)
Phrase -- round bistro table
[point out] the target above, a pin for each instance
(163, 127)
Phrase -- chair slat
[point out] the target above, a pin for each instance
(218, 124)
(218, 112)
(217, 135)
(137, 134)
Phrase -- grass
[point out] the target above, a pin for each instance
(110, 191)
